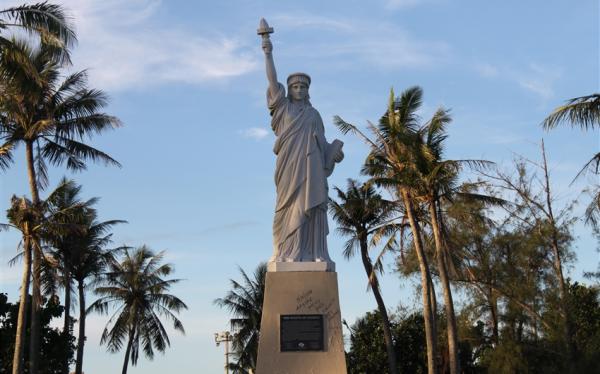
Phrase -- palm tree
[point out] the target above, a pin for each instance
(136, 287)
(245, 302)
(79, 252)
(49, 21)
(391, 163)
(62, 249)
(35, 222)
(23, 217)
(582, 112)
(439, 183)
(89, 258)
(51, 118)
(360, 214)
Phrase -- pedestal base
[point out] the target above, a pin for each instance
(298, 293)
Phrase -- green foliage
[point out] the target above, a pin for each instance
(136, 288)
(585, 312)
(367, 352)
(53, 346)
(244, 301)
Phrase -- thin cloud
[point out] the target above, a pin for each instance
(256, 133)
(123, 48)
(539, 79)
(368, 42)
(535, 78)
(313, 21)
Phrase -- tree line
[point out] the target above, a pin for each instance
(501, 240)
(65, 249)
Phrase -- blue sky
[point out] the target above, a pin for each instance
(187, 80)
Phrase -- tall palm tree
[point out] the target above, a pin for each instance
(391, 163)
(80, 253)
(23, 217)
(48, 21)
(51, 118)
(245, 302)
(89, 257)
(63, 248)
(137, 289)
(438, 182)
(362, 213)
(35, 222)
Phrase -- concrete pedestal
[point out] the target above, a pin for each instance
(301, 293)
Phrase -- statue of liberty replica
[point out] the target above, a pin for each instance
(304, 161)
(301, 329)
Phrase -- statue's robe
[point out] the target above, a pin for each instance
(303, 164)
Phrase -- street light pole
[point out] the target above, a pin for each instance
(226, 337)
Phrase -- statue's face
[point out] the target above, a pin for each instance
(298, 91)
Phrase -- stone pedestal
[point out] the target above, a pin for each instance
(294, 294)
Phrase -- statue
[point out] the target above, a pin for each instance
(304, 161)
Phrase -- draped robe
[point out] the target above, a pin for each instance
(300, 225)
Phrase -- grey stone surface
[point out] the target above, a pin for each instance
(300, 293)
(304, 161)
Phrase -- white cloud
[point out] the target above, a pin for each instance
(539, 79)
(124, 48)
(313, 21)
(376, 43)
(256, 133)
(536, 78)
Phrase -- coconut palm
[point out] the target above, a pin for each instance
(136, 287)
(62, 249)
(80, 252)
(35, 222)
(438, 184)
(245, 301)
(48, 21)
(51, 118)
(361, 214)
(391, 163)
(89, 257)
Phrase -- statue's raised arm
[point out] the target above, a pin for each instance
(264, 30)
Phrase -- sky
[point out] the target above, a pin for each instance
(187, 80)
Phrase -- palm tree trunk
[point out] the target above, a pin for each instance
(34, 347)
(19, 352)
(128, 352)
(442, 265)
(81, 336)
(67, 323)
(36, 301)
(387, 333)
(426, 285)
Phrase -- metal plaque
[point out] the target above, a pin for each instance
(301, 332)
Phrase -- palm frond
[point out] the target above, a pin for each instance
(583, 112)
(48, 20)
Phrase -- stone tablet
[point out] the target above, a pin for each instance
(301, 332)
